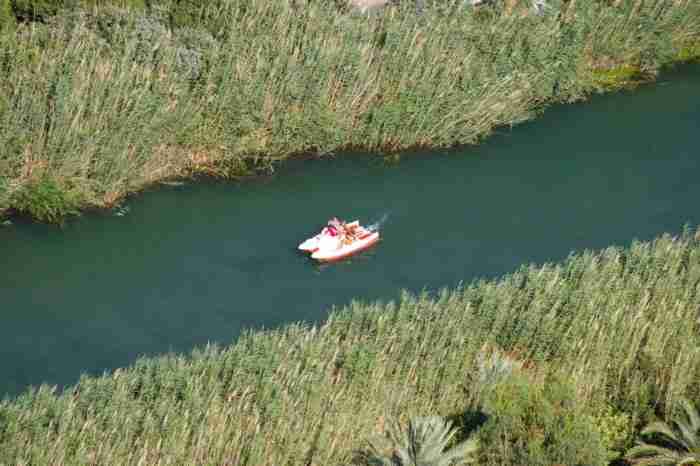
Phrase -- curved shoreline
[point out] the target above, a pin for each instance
(215, 170)
(437, 96)
(606, 321)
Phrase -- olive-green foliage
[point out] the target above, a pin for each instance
(36, 10)
(677, 443)
(617, 77)
(179, 13)
(619, 324)
(689, 53)
(494, 366)
(425, 442)
(43, 10)
(538, 424)
(4, 191)
(116, 96)
(7, 19)
(616, 429)
(45, 199)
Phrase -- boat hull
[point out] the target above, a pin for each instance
(346, 250)
(312, 244)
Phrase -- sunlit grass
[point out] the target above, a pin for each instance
(620, 325)
(107, 101)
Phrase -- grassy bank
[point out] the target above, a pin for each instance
(605, 341)
(97, 102)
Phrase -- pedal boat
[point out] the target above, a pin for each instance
(326, 248)
(311, 244)
(343, 249)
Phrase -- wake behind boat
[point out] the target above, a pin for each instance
(339, 240)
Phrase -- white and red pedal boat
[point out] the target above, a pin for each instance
(326, 248)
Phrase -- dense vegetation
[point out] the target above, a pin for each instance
(558, 364)
(101, 98)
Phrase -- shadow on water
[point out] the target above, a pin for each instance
(185, 265)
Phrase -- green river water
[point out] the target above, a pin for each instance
(198, 263)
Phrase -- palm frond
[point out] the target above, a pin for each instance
(688, 436)
(462, 453)
(692, 415)
(652, 452)
(676, 444)
(664, 431)
(423, 443)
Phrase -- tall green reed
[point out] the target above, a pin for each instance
(620, 325)
(106, 101)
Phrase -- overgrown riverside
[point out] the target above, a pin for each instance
(604, 343)
(98, 102)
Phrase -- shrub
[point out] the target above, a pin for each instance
(492, 366)
(194, 49)
(677, 443)
(616, 429)
(538, 424)
(7, 19)
(689, 53)
(495, 365)
(45, 199)
(42, 10)
(617, 77)
(4, 195)
(36, 10)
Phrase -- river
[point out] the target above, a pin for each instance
(198, 263)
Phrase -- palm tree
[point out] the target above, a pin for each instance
(677, 444)
(422, 444)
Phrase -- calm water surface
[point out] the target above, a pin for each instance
(197, 263)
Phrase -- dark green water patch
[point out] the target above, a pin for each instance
(197, 263)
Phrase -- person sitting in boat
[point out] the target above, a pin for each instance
(351, 232)
(335, 227)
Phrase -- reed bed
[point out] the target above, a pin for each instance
(99, 102)
(621, 326)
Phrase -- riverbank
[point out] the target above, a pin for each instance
(607, 337)
(97, 104)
